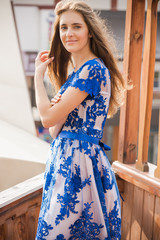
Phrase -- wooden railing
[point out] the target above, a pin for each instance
(138, 180)
(147, 85)
(135, 116)
(19, 209)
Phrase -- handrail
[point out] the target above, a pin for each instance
(145, 181)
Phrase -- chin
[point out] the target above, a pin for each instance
(72, 50)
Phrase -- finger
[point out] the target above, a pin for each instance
(44, 56)
(57, 97)
(54, 101)
(44, 59)
(43, 52)
(52, 104)
(49, 60)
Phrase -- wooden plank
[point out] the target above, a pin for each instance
(9, 229)
(157, 171)
(147, 84)
(32, 221)
(146, 180)
(127, 210)
(20, 228)
(2, 232)
(129, 115)
(156, 227)
(147, 222)
(137, 213)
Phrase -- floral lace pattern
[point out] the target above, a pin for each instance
(43, 229)
(80, 195)
(84, 228)
(73, 185)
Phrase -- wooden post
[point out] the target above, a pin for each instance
(157, 171)
(147, 85)
(129, 114)
(115, 143)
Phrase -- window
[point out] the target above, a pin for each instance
(157, 80)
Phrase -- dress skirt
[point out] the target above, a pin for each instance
(80, 196)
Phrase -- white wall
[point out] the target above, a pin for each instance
(121, 5)
(100, 4)
(46, 17)
(28, 24)
(15, 105)
(33, 27)
(38, 2)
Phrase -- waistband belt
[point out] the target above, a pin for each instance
(84, 137)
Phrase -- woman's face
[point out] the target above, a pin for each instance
(74, 32)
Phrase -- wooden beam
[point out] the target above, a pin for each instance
(157, 171)
(129, 114)
(147, 85)
(113, 5)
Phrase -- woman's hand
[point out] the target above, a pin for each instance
(42, 62)
(56, 99)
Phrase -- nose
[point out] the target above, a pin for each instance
(69, 32)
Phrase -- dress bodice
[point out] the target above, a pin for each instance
(89, 117)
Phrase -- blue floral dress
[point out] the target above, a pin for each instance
(80, 196)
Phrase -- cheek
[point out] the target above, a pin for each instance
(85, 35)
(62, 37)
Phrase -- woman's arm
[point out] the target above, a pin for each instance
(55, 130)
(51, 115)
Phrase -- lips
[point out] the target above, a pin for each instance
(71, 41)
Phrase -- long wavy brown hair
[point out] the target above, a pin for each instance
(101, 44)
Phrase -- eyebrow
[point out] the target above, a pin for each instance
(64, 24)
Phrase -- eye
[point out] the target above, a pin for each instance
(63, 27)
(77, 27)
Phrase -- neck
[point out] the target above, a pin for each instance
(80, 58)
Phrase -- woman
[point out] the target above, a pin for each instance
(80, 196)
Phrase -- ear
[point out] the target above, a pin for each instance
(90, 35)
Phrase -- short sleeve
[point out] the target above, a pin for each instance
(90, 78)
